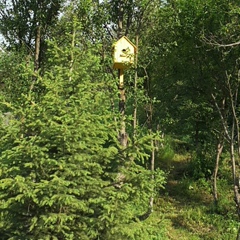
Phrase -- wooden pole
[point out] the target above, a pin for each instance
(122, 101)
(120, 75)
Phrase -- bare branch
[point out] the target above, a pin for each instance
(224, 124)
(215, 43)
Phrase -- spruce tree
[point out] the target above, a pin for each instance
(63, 173)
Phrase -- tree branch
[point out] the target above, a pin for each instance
(215, 43)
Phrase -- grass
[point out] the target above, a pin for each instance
(188, 209)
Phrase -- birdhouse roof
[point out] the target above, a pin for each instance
(126, 39)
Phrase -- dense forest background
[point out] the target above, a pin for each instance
(64, 173)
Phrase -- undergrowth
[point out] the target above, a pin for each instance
(188, 208)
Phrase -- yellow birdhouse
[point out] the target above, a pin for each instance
(123, 53)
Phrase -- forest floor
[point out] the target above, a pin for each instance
(188, 210)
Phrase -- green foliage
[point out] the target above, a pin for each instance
(63, 173)
(19, 20)
(201, 166)
(16, 76)
(165, 155)
(188, 205)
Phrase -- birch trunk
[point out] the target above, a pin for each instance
(219, 152)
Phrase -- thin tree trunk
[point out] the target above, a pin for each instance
(122, 100)
(72, 53)
(233, 99)
(152, 170)
(223, 120)
(37, 48)
(235, 179)
(122, 97)
(219, 148)
(135, 93)
(231, 140)
(235, 104)
(36, 55)
(238, 234)
(215, 173)
(120, 19)
(235, 124)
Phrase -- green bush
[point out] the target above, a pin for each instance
(165, 155)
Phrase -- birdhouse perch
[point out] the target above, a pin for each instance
(123, 53)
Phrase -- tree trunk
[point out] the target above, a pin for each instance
(233, 100)
(122, 100)
(135, 93)
(152, 170)
(120, 19)
(238, 234)
(72, 53)
(37, 48)
(36, 55)
(231, 139)
(123, 138)
(215, 173)
(235, 179)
